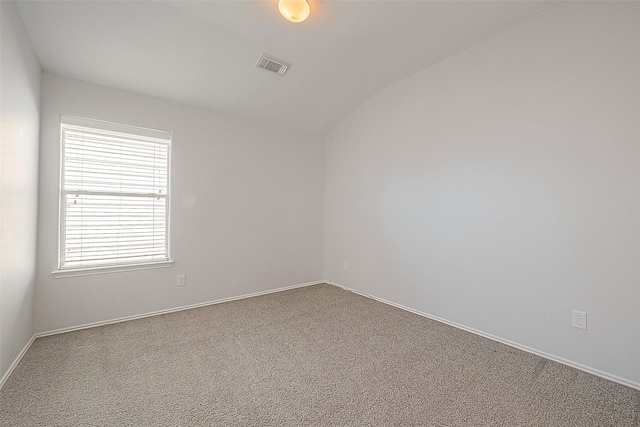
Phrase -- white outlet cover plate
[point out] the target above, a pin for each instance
(182, 280)
(579, 319)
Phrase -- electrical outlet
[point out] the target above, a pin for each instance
(579, 319)
(182, 280)
(346, 265)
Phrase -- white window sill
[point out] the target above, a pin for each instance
(72, 272)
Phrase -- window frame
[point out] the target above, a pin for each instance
(67, 121)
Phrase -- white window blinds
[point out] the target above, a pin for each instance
(114, 197)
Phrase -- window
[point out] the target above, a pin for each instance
(114, 197)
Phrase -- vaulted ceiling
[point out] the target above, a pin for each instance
(204, 52)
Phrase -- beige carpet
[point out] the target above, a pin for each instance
(315, 356)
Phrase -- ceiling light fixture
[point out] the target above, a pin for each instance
(294, 10)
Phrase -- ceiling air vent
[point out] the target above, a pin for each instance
(272, 64)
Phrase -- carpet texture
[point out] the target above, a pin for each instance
(314, 356)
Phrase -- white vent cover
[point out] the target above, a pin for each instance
(272, 64)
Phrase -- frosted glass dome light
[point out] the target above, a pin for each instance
(294, 10)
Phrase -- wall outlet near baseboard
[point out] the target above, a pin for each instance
(346, 265)
(182, 280)
(579, 319)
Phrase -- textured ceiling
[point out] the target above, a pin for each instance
(203, 52)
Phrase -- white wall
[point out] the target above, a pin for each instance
(499, 189)
(19, 118)
(246, 213)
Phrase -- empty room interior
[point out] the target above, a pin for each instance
(320, 213)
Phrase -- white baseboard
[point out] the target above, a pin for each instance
(7, 374)
(570, 363)
(141, 316)
(555, 358)
(172, 310)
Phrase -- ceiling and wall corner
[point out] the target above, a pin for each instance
(203, 53)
